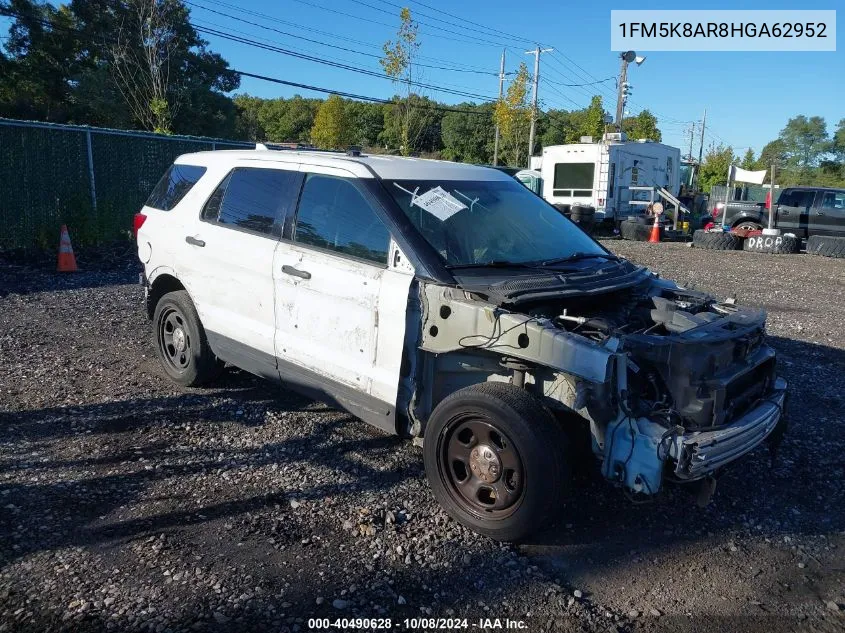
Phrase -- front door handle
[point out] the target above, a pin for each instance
(194, 241)
(290, 270)
(819, 212)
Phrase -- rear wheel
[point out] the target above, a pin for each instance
(496, 460)
(748, 226)
(180, 341)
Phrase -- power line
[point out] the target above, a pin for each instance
(343, 38)
(342, 48)
(340, 65)
(350, 95)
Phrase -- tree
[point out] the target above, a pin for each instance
(366, 121)
(468, 136)
(748, 161)
(714, 167)
(399, 63)
(804, 141)
(644, 125)
(331, 128)
(513, 115)
(555, 127)
(424, 125)
(837, 145)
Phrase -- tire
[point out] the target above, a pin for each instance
(826, 246)
(636, 231)
(521, 443)
(180, 342)
(748, 225)
(772, 244)
(717, 241)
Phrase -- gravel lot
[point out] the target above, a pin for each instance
(128, 504)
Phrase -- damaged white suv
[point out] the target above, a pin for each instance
(449, 304)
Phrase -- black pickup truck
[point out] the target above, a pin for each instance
(804, 211)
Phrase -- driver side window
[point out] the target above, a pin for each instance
(334, 215)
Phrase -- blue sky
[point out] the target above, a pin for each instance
(748, 96)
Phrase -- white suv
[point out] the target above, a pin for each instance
(449, 304)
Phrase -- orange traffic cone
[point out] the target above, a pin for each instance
(655, 231)
(67, 262)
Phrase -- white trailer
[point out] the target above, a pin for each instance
(601, 174)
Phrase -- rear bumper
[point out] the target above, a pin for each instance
(700, 453)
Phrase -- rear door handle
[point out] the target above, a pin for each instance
(290, 270)
(194, 241)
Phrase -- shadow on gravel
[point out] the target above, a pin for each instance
(71, 512)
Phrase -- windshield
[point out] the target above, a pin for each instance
(479, 222)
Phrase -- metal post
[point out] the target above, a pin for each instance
(727, 197)
(91, 170)
(772, 199)
(620, 102)
(501, 87)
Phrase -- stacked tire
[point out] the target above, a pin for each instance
(717, 240)
(772, 244)
(826, 246)
(636, 229)
(584, 216)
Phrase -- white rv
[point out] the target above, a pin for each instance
(601, 174)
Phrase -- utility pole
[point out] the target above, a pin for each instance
(536, 52)
(501, 87)
(620, 92)
(623, 88)
(691, 133)
(700, 147)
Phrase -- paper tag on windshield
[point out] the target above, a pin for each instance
(439, 203)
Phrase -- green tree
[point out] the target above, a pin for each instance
(837, 145)
(468, 136)
(399, 63)
(289, 120)
(555, 127)
(366, 121)
(805, 140)
(424, 125)
(331, 129)
(513, 115)
(714, 167)
(644, 125)
(748, 161)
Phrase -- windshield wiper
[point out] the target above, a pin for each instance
(578, 256)
(495, 263)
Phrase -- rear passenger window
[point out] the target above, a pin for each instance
(174, 185)
(333, 214)
(253, 199)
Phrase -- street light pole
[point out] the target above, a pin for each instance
(623, 88)
(501, 88)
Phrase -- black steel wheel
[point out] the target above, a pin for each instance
(496, 460)
(180, 341)
(482, 466)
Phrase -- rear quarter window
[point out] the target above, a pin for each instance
(174, 185)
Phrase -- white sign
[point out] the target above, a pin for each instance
(439, 203)
(738, 174)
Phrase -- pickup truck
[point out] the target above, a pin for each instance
(804, 211)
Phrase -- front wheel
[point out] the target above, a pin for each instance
(180, 341)
(496, 460)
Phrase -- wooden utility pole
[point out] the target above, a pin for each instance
(536, 52)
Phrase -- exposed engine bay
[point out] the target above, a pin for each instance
(672, 381)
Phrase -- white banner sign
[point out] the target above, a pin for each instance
(738, 174)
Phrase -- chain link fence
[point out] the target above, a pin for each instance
(92, 179)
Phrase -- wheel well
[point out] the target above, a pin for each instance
(160, 287)
(749, 220)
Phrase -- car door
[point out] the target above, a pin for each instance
(828, 216)
(340, 317)
(228, 263)
(793, 210)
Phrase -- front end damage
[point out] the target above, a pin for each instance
(673, 383)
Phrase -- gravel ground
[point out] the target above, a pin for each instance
(128, 504)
